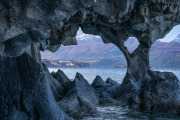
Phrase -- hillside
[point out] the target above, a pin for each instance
(91, 49)
(57, 63)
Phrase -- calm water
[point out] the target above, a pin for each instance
(116, 74)
(114, 112)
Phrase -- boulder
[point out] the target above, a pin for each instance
(104, 91)
(80, 99)
(57, 88)
(112, 82)
(61, 77)
(25, 91)
(160, 94)
(98, 81)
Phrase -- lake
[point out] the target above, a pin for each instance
(116, 74)
(115, 112)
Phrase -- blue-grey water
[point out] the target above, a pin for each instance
(117, 74)
(90, 73)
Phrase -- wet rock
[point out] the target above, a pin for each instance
(25, 91)
(112, 82)
(80, 99)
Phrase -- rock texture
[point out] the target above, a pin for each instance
(80, 99)
(104, 91)
(158, 95)
(112, 82)
(26, 95)
(61, 77)
(30, 26)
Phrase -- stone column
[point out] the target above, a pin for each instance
(137, 75)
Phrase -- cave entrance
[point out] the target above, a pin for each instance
(90, 57)
(165, 53)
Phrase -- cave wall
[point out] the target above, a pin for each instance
(52, 23)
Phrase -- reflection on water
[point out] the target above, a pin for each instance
(114, 112)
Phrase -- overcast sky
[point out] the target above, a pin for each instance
(172, 34)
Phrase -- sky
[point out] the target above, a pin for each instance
(172, 34)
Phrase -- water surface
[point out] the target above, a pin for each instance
(116, 74)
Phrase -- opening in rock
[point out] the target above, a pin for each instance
(90, 57)
(131, 43)
(165, 53)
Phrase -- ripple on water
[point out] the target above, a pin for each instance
(121, 113)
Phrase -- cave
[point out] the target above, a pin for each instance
(29, 91)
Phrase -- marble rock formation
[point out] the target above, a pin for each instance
(26, 95)
(160, 94)
(80, 99)
(112, 82)
(61, 77)
(104, 91)
(33, 25)
(57, 88)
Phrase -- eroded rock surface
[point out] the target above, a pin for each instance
(112, 82)
(104, 91)
(61, 77)
(26, 95)
(160, 94)
(80, 99)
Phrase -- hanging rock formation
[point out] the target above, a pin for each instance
(30, 26)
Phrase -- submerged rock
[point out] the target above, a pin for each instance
(80, 99)
(25, 91)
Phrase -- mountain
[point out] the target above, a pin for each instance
(91, 49)
(57, 63)
(177, 39)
